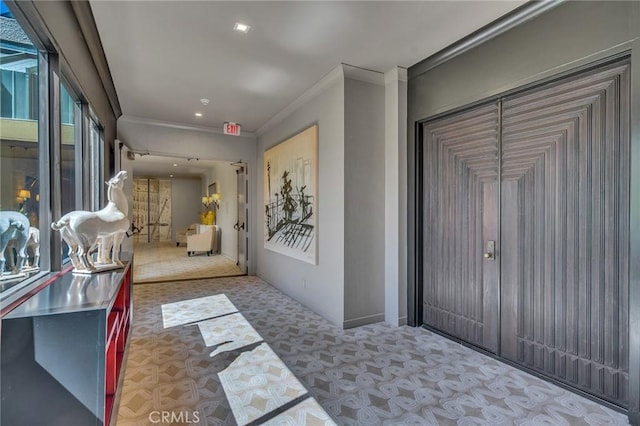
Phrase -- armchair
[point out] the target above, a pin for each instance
(201, 242)
(181, 236)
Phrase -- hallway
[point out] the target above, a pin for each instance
(368, 375)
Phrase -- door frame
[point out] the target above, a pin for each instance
(242, 167)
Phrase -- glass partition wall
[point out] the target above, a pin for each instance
(32, 191)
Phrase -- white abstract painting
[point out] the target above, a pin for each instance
(291, 197)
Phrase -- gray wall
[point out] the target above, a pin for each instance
(364, 220)
(184, 141)
(186, 200)
(572, 35)
(348, 285)
(324, 290)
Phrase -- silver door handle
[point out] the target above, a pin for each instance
(490, 254)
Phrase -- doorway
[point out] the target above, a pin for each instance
(172, 198)
(525, 247)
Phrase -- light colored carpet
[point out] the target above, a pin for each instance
(163, 261)
(371, 375)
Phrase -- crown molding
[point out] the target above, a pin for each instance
(311, 93)
(403, 74)
(181, 126)
(341, 71)
(363, 74)
(512, 19)
(395, 74)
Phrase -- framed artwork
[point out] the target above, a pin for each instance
(213, 189)
(291, 196)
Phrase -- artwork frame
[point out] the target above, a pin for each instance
(290, 196)
(212, 189)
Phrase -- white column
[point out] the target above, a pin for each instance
(395, 210)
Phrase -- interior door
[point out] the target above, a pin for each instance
(565, 230)
(241, 223)
(461, 285)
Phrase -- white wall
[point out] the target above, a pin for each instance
(402, 198)
(364, 181)
(186, 201)
(170, 139)
(224, 175)
(324, 291)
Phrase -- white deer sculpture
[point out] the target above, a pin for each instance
(82, 230)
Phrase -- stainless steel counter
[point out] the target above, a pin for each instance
(73, 293)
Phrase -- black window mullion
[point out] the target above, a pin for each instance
(44, 152)
(52, 138)
(78, 134)
(85, 161)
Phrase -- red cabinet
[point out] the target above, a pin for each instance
(63, 351)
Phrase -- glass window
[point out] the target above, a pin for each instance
(19, 154)
(67, 155)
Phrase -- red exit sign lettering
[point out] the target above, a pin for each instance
(231, 129)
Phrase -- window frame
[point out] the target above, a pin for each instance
(51, 76)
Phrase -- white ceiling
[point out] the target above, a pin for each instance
(165, 56)
(165, 167)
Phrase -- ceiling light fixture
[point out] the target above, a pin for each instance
(240, 27)
(204, 101)
(198, 114)
(170, 175)
(175, 164)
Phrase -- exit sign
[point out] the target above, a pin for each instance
(231, 129)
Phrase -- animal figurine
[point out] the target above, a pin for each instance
(33, 245)
(83, 230)
(14, 226)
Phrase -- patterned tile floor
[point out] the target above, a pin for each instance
(371, 375)
(163, 261)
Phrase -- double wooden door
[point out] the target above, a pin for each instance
(526, 228)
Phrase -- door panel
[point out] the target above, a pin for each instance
(564, 229)
(241, 223)
(461, 288)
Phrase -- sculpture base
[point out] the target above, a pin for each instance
(98, 268)
(10, 276)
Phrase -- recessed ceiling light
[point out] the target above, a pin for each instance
(204, 101)
(198, 114)
(243, 28)
(175, 164)
(170, 175)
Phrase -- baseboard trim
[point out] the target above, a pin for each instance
(357, 322)
(403, 320)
